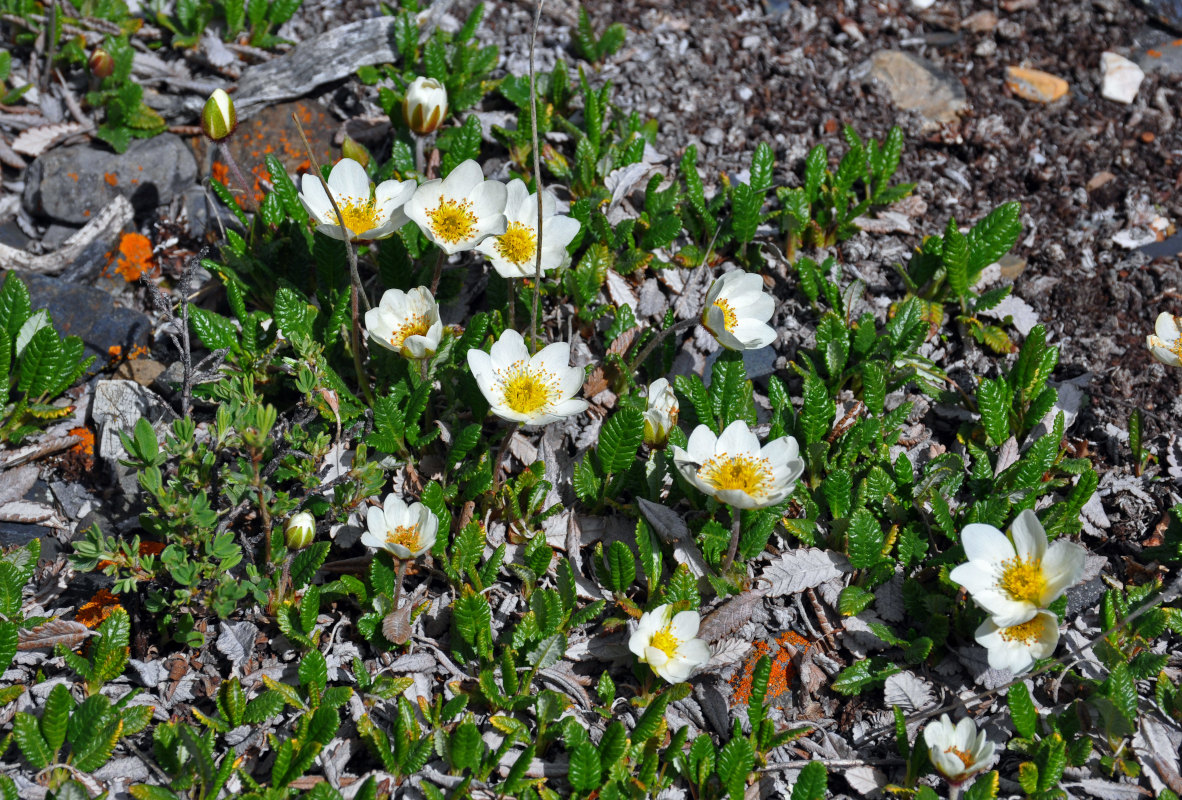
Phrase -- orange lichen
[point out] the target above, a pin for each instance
(97, 609)
(1154, 53)
(135, 257)
(73, 176)
(111, 178)
(781, 651)
(137, 351)
(85, 437)
(114, 352)
(146, 549)
(221, 173)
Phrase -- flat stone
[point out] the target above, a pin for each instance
(71, 184)
(117, 406)
(56, 235)
(916, 84)
(1158, 51)
(1122, 78)
(1167, 12)
(980, 22)
(91, 315)
(1035, 85)
(273, 132)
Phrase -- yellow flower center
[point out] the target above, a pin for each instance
(964, 757)
(1022, 580)
(742, 472)
(730, 319)
(527, 392)
(359, 215)
(664, 641)
(415, 325)
(517, 244)
(452, 221)
(1026, 633)
(408, 537)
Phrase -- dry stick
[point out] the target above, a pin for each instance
(50, 47)
(1166, 596)
(354, 276)
(533, 127)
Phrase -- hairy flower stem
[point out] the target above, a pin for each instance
(656, 340)
(438, 271)
(498, 467)
(533, 127)
(232, 163)
(355, 290)
(512, 303)
(736, 526)
(400, 573)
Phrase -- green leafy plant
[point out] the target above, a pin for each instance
(590, 47)
(36, 364)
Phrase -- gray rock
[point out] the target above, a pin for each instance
(714, 136)
(117, 406)
(71, 184)
(91, 315)
(56, 235)
(915, 84)
(1157, 52)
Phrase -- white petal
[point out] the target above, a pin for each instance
(375, 520)
(348, 179)
(753, 335)
(638, 642)
(569, 408)
(737, 439)
(1030, 540)
(684, 625)
(394, 192)
(553, 358)
(985, 543)
(480, 364)
(508, 350)
(701, 445)
(656, 657)
(561, 231)
(975, 577)
(517, 207)
(466, 176)
(1062, 567)
(1166, 327)
(1162, 352)
(314, 198)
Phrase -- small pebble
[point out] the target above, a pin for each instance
(1122, 78)
(981, 22)
(713, 136)
(1035, 85)
(1008, 29)
(985, 48)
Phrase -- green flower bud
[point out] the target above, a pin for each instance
(299, 530)
(425, 105)
(350, 148)
(101, 63)
(218, 118)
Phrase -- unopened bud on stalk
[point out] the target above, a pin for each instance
(425, 105)
(299, 530)
(351, 148)
(218, 118)
(101, 63)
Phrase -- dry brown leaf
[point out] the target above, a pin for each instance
(9, 156)
(36, 141)
(53, 633)
(730, 616)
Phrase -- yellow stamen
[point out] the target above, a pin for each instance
(517, 244)
(964, 757)
(665, 641)
(415, 325)
(359, 215)
(1026, 632)
(452, 221)
(408, 537)
(1022, 580)
(745, 473)
(527, 392)
(730, 319)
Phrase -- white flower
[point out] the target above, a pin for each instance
(1013, 577)
(425, 105)
(1166, 346)
(513, 253)
(737, 310)
(369, 213)
(1016, 647)
(667, 642)
(407, 531)
(406, 322)
(959, 750)
(457, 212)
(736, 470)
(299, 530)
(660, 416)
(520, 388)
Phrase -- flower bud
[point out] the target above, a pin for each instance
(101, 63)
(425, 105)
(299, 530)
(660, 416)
(218, 118)
(351, 148)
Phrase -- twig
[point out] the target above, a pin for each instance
(656, 340)
(779, 766)
(736, 529)
(438, 271)
(354, 276)
(533, 128)
(504, 448)
(50, 48)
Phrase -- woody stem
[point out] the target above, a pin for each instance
(438, 271)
